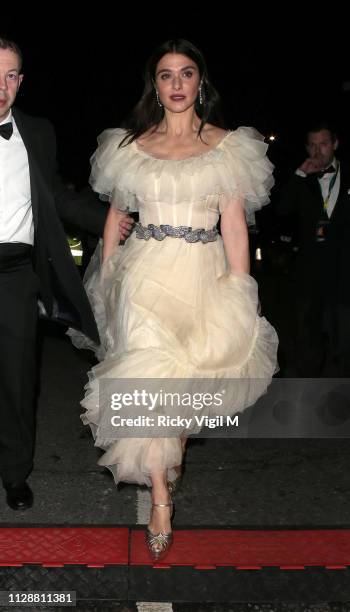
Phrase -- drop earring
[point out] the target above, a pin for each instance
(158, 101)
(200, 94)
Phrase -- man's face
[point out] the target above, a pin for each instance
(10, 80)
(321, 147)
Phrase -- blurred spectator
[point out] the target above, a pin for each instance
(318, 194)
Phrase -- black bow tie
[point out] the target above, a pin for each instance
(326, 171)
(6, 130)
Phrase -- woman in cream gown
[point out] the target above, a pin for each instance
(176, 301)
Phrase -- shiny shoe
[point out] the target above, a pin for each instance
(19, 495)
(159, 543)
(174, 485)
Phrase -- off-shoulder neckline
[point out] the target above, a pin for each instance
(164, 159)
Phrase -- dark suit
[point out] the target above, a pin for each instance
(321, 277)
(46, 271)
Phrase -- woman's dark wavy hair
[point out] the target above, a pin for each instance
(147, 112)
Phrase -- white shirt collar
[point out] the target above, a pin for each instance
(8, 118)
(333, 163)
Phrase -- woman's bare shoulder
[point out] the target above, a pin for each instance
(212, 134)
(148, 136)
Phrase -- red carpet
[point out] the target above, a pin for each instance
(198, 548)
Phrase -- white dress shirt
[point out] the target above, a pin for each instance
(16, 218)
(324, 183)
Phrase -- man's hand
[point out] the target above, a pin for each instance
(125, 226)
(311, 165)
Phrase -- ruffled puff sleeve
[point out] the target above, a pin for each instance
(248, 171)
(108, 163)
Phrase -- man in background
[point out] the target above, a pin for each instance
(319, 195)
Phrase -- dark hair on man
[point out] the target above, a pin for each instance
(322, 125)
(6, 43)
(147, 112)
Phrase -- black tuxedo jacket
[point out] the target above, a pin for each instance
(60, 282)
(325, 263)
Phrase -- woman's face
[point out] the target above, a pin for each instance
(177, 81)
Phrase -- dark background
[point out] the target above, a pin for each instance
(276, 70)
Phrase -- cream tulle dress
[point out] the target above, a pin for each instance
(172, 309)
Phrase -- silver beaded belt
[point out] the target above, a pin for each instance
(159, 232)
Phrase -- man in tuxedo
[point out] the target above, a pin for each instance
(35, 262)
(319, 194)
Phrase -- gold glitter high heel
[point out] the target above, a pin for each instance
(159, 543)
(173, 485)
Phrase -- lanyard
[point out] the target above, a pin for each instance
(331, 185)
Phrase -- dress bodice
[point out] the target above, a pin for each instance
(191, 191)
